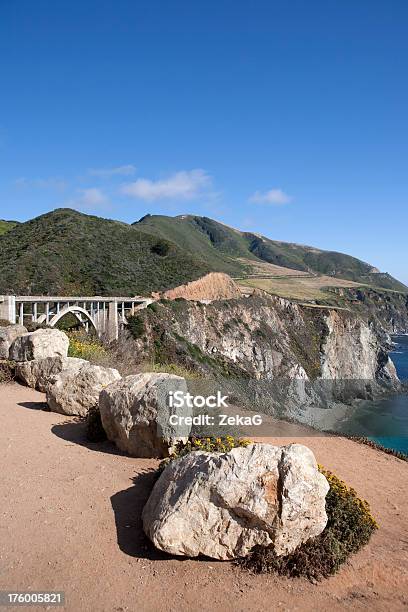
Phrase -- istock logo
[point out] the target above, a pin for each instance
(178, 399)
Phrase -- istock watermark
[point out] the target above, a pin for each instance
(182, 399)
(178, 399)
(218, 420)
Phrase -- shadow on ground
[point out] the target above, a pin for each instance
(75, 431)
(35, 405)
(128, 506)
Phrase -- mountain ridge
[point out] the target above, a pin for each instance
(66, 251)
(233, 244)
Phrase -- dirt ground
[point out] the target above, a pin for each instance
(70, 520)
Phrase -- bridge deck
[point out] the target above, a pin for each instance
(95, 298)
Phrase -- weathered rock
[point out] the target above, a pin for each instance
(7, 336)
(135, 414)
(39, 373)
(40, 344)
(222, 506)
(75, 390)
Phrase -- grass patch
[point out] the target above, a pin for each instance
(171, 368)
(349, 527)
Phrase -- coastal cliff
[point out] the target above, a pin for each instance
(297, 355)
(387, 309)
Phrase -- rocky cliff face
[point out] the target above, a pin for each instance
(388, 309)
(297, 354)
(353, 349)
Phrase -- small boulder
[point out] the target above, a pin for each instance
(38, 373)
(75, 390)
(135, 414)
(40, 344)
(7, 336)
(222, 505)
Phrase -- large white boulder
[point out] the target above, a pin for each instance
(135, 414)
(75, 390)
(7, 336)
(39, 373)
(222, 505)
(40, 344)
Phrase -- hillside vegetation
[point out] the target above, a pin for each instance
(65, 252)
(228, 250)
(6, 226)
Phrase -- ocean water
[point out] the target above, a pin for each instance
(400, 356)
(385, 421)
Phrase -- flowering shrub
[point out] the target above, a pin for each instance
(209, 445)
(349, 527)
(85, 347)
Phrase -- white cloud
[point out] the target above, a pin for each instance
(93, 196)
(127, 170)
(273, 196)
(88, 198)
(186, 185)
(54, 182)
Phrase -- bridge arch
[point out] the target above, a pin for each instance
(77, 311)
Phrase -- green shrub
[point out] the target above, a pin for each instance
(68, 322)
(153, 306)
(4, 323)
(161, 248)
(136, 326)
(349, 527)
(94, 428)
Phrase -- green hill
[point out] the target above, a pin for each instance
(224, 248)
(6, 226)
(66, 252)
(211, 241)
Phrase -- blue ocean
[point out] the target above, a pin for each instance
(385, 421)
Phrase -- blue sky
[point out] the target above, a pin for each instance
(288, 118)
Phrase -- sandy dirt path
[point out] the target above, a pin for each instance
(70, 520)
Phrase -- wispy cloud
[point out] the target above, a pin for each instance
(273, 196)
(186, 185)
(88, 199)
(128, 170)
(53, 182)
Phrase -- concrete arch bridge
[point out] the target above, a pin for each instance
(103, 314)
